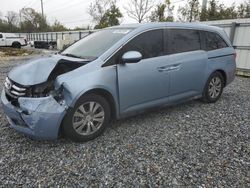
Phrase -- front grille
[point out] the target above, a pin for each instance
(14, 90)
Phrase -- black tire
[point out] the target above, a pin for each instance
(206, 97)
(16, 45)
(67, 125)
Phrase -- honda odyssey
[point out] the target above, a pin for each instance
(115, 73)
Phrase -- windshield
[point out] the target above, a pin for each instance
(95, 44)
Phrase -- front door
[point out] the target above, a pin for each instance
(146, 83)
(143, 84)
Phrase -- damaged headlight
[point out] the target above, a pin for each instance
(40, 90)
(62, 94)
(58, 95)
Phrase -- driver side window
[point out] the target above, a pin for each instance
(150, 44)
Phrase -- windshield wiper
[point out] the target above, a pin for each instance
(85, 58)
(72, 55)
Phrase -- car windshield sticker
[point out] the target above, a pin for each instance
(121, 31)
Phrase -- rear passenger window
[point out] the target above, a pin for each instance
(182, 40)
(213, 41)
(1, 36)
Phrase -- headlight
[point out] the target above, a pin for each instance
(41, 90)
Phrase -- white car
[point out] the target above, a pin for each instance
(12, 40)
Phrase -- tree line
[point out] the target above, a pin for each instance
(106, 13)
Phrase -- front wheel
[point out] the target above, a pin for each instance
(213, 88)
(87, 119)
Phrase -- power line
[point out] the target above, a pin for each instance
(30, 4)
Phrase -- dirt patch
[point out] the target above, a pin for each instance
(13, 52)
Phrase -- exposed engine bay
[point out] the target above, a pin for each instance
(15, 90)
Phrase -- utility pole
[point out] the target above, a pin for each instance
(42, 8)
(20, 16)
(203, 16)
(204, 4)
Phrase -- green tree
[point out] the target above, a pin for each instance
(105, 13)
(227, 12)
(33, 21)
(9, 22)
(158, 15)
(217, 11)
(112, 15)
(57, 26)
(12, 20)
(244, 10)
(190, 11)
(3, 24)
(77, 28)
(110, 18)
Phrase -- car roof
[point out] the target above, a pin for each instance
(152, 25)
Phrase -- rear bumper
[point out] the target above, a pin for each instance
(231, 73)
(39, 118)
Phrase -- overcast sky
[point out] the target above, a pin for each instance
(73, 13)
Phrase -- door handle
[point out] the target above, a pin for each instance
(174, 67)
(163, 69)
(169, 68)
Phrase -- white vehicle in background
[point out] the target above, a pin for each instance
(12, 40)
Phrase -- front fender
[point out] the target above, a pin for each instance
(102, 78)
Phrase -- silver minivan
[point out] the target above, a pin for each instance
(115, 73)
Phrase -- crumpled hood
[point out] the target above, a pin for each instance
(42, 69)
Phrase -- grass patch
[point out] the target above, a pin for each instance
(7, 52)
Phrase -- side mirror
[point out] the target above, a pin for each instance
(131, 57)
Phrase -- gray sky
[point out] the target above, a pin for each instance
(74, 12)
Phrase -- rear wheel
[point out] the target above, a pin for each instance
(16, 45)
(213, 88)
(87, 119)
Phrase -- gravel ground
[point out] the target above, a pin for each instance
(190, 145)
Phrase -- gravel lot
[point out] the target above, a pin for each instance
(192, 144)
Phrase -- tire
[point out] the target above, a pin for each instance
(16, 45)
(80, 125)
(214, 88)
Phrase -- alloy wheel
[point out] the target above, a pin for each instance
(88, 118)
(214, 88)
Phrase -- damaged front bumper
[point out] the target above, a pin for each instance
(39, 118)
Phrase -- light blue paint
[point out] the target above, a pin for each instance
(135, 87)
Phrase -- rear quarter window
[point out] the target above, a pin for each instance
(213, 41)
